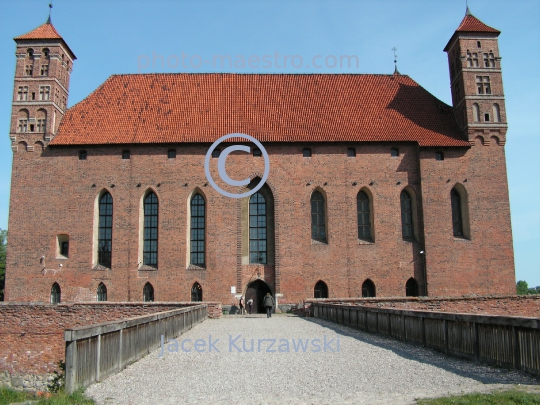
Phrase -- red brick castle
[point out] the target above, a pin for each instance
(376, 188)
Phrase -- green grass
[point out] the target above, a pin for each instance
(512, 397)
(8, 396)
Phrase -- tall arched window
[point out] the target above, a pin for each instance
(364, 216)
(56, 294)
(257, 229)
(197, 241)
(406, 215)
(457, 216)
(321, 290)
(368, 289)
(196, 293)
(318, 217)
(148, 293)
(411, 288)
(102, 292)
(105, 230)
(150, 249)
(41, 120)
(476, 112)
(496, 113)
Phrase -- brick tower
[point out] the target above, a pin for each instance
(44, 65)
(476, 79)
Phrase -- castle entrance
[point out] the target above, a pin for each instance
(257, 290)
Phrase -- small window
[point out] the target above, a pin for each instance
(306, 152)
(31, 127)
(56, 294)
(351, 152)
(126, 154)
(63, 246)
(102, 292)
(216, 152)
(394, 152)
(171, 154)
(44, 70)
(30, 53)
(148, 293)
(486, 117)
(82, 155)
(478, 44)
(439, 156)
(368, 289)
(257, 152)
(28, 70)
(196, 293)
(45, 52)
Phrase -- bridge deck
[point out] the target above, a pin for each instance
(292, 360)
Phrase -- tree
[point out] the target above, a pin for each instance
(522, 287)
(3, 242)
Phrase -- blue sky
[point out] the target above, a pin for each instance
(129, 36)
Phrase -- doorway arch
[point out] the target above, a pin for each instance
(257, 290)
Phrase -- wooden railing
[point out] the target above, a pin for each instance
(504, 341)
(96, 351)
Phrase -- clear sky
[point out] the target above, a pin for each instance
(129, 36)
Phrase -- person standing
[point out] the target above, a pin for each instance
(241, 304)
(250, 305)
(268, 303)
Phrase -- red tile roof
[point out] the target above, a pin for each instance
(472, 24)
(174, 108)
(45, 31)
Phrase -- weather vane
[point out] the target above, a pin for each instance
(50, 11)
(395, 59)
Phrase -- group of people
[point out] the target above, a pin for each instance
(268, 304)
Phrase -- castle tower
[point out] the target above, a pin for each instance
(476, 79)
(40, 94)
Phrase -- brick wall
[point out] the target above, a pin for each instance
(32, 335)
(53, 192)
(516, 305)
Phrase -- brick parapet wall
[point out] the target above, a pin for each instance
(507, 305)
(32, 335)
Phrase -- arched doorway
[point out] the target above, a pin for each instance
(256, 291)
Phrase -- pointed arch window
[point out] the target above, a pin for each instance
(457, 216)
(411, 288)
(197, 237)
(150, 247)
(406, 215)
(320, 290)
(318, 217)
(105, 230)
(148, 293)
(364, 216)
(196, 293)
(368, 289)
(257, 229)
(102, 292)
(56, 294)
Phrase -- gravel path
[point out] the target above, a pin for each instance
(364, 369)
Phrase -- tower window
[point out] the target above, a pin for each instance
(44, 93)
(486, 117)
(439, 156)
(171, 154)
(31, 127)
(394, 152)
(82, 155)
(22, 94)
(28, 70)
(45, 53)
(41, 125)
(44, 70)
(478, 44)
(30, 53)
(489, 60)
(23, 125)
(483, 84)
(126, 154)
(472, 59)
(351, 152)
(257, 152)
(306, 152)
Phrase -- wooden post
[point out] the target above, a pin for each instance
(71, 366)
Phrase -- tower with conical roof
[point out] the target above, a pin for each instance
(40, 94)
(476, 79)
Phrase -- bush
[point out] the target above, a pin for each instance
(59, 381)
